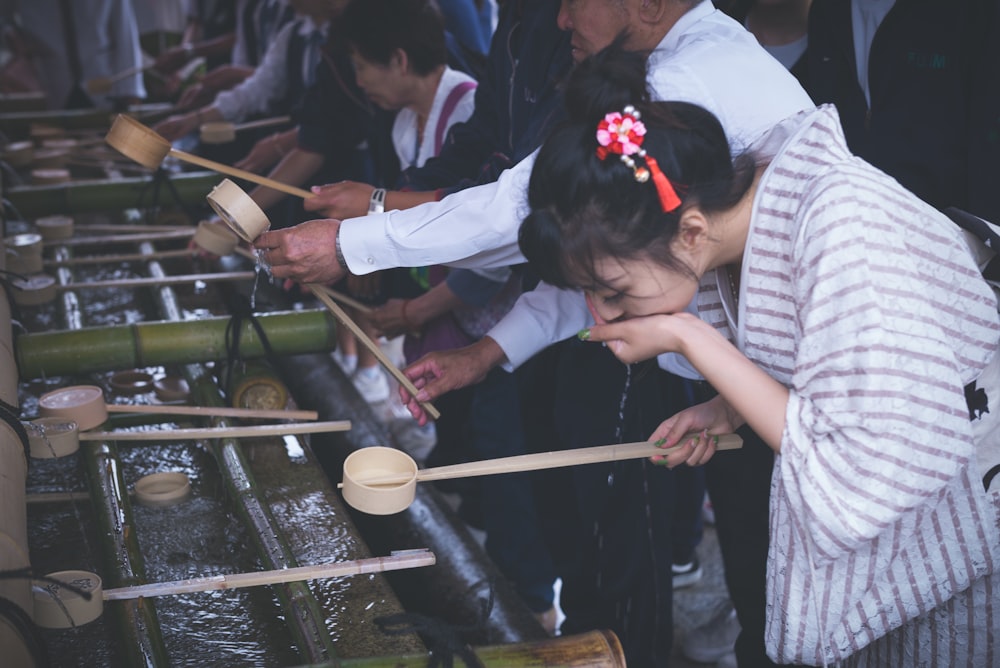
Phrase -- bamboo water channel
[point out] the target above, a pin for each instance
(263, 504)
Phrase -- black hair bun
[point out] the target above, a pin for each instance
(605, 82)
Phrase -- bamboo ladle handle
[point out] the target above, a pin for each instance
(239, 173)
(395, 561)
(346, 321)
(219, 411)
(546, 460)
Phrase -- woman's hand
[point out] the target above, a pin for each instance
(391, 319)
(345, 199)
(707, 420)
(264, 155)
(177, 126)
(638, 339)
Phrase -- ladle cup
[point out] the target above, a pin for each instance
(383, 481)
(242, 214)
(142, 144)
(222, 132)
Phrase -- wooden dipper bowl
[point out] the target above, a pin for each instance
(142, 144)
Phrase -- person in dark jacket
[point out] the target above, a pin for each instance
(923, 105)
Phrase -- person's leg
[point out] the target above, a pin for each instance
(618, 574)
(739, 484)
(513, 536)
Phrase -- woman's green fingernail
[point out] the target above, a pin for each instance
(715, 440)
(660, 442)
(583, 334)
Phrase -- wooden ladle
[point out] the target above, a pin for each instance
(222, 132)
(144, 145)
(102, 85)
(383, 481)
(242, 214)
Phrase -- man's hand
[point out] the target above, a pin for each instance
(305, 253)
(346, 199)
(437, 373)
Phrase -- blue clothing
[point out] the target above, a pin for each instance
(470, 24)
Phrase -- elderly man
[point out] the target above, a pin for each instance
(697, 55)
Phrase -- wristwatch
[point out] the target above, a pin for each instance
(377, 203)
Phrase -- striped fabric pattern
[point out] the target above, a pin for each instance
(866, 304)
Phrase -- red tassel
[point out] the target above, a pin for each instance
(668, 196)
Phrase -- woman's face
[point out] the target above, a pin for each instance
(383, 84)
(638, 287)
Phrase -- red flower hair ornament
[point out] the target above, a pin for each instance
(622, 133)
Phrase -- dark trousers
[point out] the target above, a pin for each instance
(514, 537)
(609, 523)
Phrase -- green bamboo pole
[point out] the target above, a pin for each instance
(106, 195)
(92, 349)
(303, 614)
(138, 629)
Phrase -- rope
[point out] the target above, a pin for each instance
(239, 307)
(443, 640)
(160, 177)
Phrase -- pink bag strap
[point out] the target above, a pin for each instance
(450, 102)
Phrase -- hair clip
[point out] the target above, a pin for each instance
(623, 133)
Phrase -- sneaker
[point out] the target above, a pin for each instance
(714, 639)
(349, 363)
(727, 661)
(687, 574)
(372, 384)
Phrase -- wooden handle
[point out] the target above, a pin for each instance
(122, 238)
(129, 72)
(263, 123)
(153, 281)
(346, 300)
(550, 460)
(217, 432)
(346, 321)
(213, 410)
(240, 174)
(394, 562)
(121, 257)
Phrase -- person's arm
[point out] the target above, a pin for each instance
(295, 168)
(476, 227)
(268, 83)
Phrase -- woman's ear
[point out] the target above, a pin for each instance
(692, 231)
(400, 60)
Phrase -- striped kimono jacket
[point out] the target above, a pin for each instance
(867, 305)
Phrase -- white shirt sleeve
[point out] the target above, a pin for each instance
(539, 318)
(475, 227)
(267, 83)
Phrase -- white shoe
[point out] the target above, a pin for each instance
(349, 363)
(372, 384)
(715, 638)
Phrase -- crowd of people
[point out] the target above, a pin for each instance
(760, 209)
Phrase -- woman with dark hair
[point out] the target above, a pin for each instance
(839, 316)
